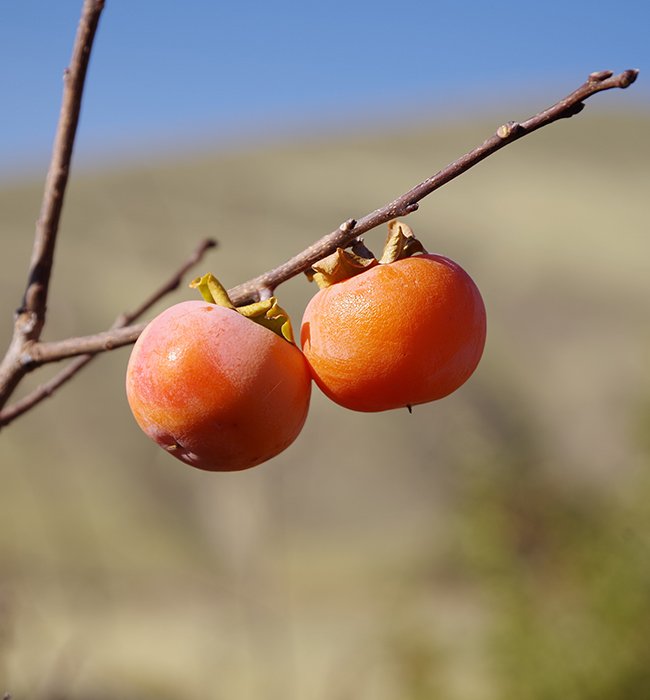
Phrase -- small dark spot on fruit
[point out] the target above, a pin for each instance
(409, 407)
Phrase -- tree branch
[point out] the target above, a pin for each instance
(47, 226)
(10, 413)
(30, 317)
(408, 202)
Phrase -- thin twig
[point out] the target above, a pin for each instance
(10, 413)
(43, 391)
(169, 286)
(408, 202)
(30, 318)
(47, 226)
(38, 354)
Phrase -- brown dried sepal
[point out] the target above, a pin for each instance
(401, 243)
(341, 265)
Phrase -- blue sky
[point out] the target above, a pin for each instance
(165, 75)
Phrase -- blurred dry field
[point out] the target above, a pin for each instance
(495, 544)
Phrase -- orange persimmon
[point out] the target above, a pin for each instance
(215, 389)
(395, 335)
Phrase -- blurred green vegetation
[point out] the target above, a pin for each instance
(495, 544)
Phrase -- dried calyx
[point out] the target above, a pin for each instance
(267, 312)
(343, 263)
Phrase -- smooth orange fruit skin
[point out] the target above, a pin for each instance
(216, 390)
(396, 335)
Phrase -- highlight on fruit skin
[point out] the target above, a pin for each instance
(215, 389)
(400, 332)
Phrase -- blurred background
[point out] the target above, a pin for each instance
(493, 544)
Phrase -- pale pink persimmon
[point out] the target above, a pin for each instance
(216, 390)
(395, 335)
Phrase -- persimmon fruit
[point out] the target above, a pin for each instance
(215, 389)
(395, 335)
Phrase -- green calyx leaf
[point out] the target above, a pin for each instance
(401, 243)
(271, 315)
(341, 265)
(212, 290)
(267, 313)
